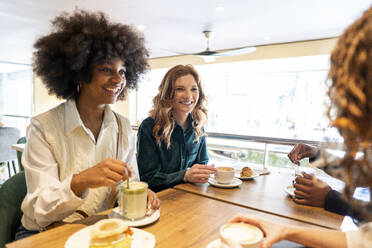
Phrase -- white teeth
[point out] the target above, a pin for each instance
(114, 90)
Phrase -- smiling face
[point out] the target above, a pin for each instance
(186, 95)
(108, 81)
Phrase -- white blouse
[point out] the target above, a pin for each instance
(58, 146)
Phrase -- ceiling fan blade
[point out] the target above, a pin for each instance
(206, 53)
(208, 58)
(209, 55)
(177, 53)
(237, 51)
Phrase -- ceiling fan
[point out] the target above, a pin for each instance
(209, 55)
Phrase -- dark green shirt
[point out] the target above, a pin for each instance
(161, 167)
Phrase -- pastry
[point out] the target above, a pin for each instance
(246, 172)
(110, 233)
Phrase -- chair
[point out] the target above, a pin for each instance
(21, 140)
(8, 137)
(12, 193)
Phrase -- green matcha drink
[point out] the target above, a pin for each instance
(133, 200)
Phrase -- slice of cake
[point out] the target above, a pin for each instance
(112, 233)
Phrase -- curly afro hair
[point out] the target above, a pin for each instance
(63, 58)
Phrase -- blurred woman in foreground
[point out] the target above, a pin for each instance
(350, 112)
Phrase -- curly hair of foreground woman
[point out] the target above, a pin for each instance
(350, 111)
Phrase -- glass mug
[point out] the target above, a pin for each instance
(133, 200)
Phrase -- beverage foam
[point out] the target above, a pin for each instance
(242, 233)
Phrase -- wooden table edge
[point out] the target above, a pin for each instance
(256, 209)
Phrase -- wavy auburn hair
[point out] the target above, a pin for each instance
(350, 110)
(162, 109)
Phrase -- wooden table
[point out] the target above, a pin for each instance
(187, 220)
(266, 194)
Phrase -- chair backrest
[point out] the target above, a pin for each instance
(21, 140)
(12, 193)
(8, 137)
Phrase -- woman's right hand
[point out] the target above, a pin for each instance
(301, 151)
(105, 173)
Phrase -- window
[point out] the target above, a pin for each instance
(275, 98)
(141, 100)
(16, 95)
(283, 98)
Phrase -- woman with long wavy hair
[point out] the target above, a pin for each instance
(171, 142)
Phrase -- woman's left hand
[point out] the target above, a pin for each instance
(273, 232)
(153, 202)
(198, 173)
(313, 191)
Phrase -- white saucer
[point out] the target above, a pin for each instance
(235, 183)
(216, 244)
(115, 213)
(254, 175)
(290, 191)
(81, 239)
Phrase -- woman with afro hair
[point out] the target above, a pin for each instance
(77, 152)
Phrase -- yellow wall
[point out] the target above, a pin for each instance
(43, 101)
(294, 49)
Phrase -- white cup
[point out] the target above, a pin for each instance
(298, 170)
(245, 235)
(224, 175)
(308, 170)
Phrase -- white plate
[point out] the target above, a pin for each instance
(290, 191)
(235, 183)
(254, 175)
(140, 239)
(216, 244)
(115, 213)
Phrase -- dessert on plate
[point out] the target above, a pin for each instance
(110, 233)
(246, 172)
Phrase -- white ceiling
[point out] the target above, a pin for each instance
(174, 25)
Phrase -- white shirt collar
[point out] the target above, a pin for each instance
(73, 120)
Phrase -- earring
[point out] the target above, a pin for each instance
(78, 87)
